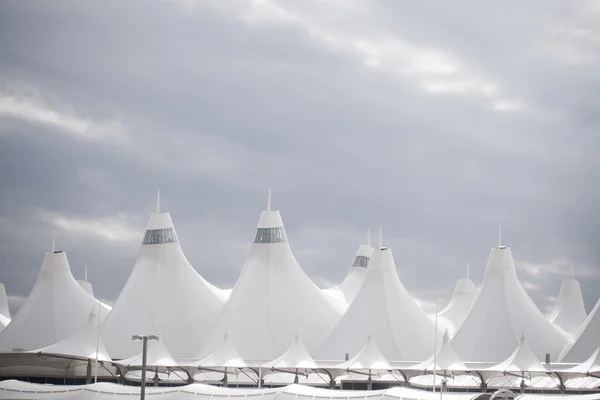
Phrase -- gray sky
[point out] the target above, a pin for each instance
(437, 120)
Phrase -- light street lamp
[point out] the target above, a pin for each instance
(144, 339)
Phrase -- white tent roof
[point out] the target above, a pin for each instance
(355, 277)
(446, 359)
(82, 343)
(4, 302)
(586, 340)
(502, 311)
(460, 303)
(569, 313)
(523, 359)
(54, 310)
(4, 311)
(164, 295)
(589, 366)
(272, 299)
(226, 356)
(296, 357)
(157, 355)
(382, 306)
(369, 358)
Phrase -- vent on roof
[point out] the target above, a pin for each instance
(360, 261)
(58, 251)
(270, 235)
(160, 236)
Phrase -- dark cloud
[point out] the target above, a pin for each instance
(436, 123)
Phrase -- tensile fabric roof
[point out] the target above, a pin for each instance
(569, 313)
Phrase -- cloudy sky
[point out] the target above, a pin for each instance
(437, 120)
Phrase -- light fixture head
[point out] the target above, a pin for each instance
(153, 337)
(136, 337)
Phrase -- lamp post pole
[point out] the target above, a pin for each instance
(144, 340)
(435, 344)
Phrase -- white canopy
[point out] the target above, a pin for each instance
(355, 277)
(296, 358)
(460, 303)
(502, 311)
(446, 359)
(82, 343)
(226, 356)
(156, 356)
(164, 295)
(520, 361)
(382, 307)
(369, 358)
(4, 311)
(590, 366)
(586, 340)
(569, 313)
(54, 310)
(272, 299)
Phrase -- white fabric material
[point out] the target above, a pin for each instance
(502, 311)
(272, 299)
(82, 343)
(4, 310)
(589, 366)
(569, 313)
(24, 390)
(385, 308)
(3, 322)
(225, 356)
(369, 358)
(295, 358)
(586, 340)
(521, 360)
(54, 310)
(157, 355)
(86, 286)
(165, 296)
(460, 303)
(446, 359)
(354, 279)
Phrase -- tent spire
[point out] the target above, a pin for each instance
(499, 236)
(158, 202)
(380, 237)
(572, 270)
(53, 241)
(269, 200)
(468, 271)
(369, 236)
(85, 276)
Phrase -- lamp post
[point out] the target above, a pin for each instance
(437, 303)
(144, 339)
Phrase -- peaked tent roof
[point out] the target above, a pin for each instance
(589, 366)
(4, 310)
(82, 343)
(368, 358)
(355, 277)
(502, 311)
(54, 310)
(157, 355)
(569, 313)
(295, 358)
(460, 303)
(272, 299)
(382, 307)
(226, 356)
(164, 295)
(446, 359)
(586, 340)
(523, 359)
